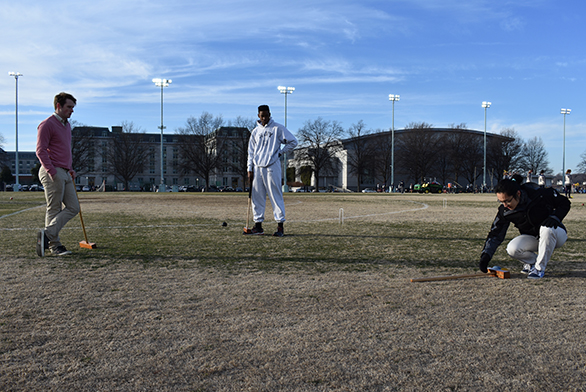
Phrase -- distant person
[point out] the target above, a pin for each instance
(537, 213)
(264, 168)
(568, 183)
(541, 179)
(56, 174)
(529, 175)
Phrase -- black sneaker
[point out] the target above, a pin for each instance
(257, 230)
(42, 243)
(60, 251)
(279, 232)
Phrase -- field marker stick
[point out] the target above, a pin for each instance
(341, 216)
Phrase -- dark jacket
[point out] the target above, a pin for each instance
(535, 206)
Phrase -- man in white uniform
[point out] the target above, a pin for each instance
(264, 168)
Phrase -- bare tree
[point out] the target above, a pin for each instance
(319, 142)
(3, 155)
(472, 156)
(241, 146)
(361, 152)
(582, 163)
(417, 150)
(82, 147)
(200, 147)
(383, 147)
(443, 164)
(127, 153)
(504, 154)
(533, 156)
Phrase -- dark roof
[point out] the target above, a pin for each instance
(453, 130)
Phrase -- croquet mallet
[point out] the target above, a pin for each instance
(83, 244)
(247, 230)
(495, 271)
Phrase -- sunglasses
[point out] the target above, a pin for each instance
(507, 201)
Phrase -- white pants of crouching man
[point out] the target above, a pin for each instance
(537, 250)
(267, 181)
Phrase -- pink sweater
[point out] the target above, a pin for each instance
(54, 145)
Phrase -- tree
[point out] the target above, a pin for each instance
(35, 173)
(241, 146)
(127, 153)
(504, 154)
(360, 152)
(417, 150)
(82, 147)
(582, 163)
(383, 158)
(2, 152)
(319, 142)
(472, 157)
(533, 156)
(200, 147)
(6, 176)
(443, 164)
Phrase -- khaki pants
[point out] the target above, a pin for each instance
(59, 192)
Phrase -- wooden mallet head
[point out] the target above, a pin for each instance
(87, 245)
(499, 272)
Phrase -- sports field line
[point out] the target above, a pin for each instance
(25, 210)
(423, 207)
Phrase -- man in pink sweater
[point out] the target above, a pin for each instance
(56, 174)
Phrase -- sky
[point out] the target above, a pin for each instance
(344, 58)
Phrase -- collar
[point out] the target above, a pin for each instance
(64, 122)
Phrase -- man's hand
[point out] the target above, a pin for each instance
(250, 177)
(72, 174)
(483, 264)
(551, 221)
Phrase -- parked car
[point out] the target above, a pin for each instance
(9, 188)
(431, 187)
(86, 188)
(368, 190)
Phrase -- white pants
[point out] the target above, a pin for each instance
(524, 247)
(267, 180)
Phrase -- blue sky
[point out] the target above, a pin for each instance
(343, 57)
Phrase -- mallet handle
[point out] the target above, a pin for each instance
(434, 278)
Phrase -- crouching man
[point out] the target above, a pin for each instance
(537, 213)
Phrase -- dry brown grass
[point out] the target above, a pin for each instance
(111, 323)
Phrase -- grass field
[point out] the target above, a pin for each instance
(172, 300)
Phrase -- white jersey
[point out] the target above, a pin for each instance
(265, 142)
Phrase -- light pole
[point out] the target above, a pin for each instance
(564, 112)
(393, 98)
(286, 91)
(162, 83)
(16, 162)
(485, 105)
